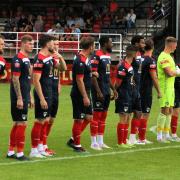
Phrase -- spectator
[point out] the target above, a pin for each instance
(70, 21)
(21, 28)
(39, 24)
(131, 19)
(60, 20)
(52, 30)
(19, 13)
(75, 29)
(118, 20)
(158, 10)
(89, 24)
(59, 28)
(22, 23)
(30, 24)
(87, 7)
(80, 21)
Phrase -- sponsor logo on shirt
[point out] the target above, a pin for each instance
(17, 65)
(122, 73)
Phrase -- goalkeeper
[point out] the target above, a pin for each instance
(167, 71)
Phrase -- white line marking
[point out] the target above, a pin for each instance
(91, 155)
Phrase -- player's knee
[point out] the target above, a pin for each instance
(41, 121)
(21, 123)
(145, 116)
(51, 120)
(137, 115)
(123, 118)
(89, 118)
(176, 112)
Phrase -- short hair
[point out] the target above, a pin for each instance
(131, 49)
(26, 38)
(44, 39)
(103, 40)
(170, 39)
(136, 39)
(149, 45)
(86, 42)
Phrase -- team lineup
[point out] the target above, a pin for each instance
(91, 93)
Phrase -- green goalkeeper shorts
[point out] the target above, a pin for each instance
(168, 97)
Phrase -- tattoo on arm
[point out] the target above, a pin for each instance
(17, 86)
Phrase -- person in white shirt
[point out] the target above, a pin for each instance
(70, 21)
(131, 19)
(79, 20)
(75, 29)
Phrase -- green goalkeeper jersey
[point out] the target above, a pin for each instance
(165, 60)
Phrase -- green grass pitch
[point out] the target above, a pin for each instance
(150, 162)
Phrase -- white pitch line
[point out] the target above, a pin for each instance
(91, 155)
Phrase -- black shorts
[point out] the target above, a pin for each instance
(177, 99)
(136, 101)
(122, 106)
(146, 103)
(79, 110)
(55, 105)
(39, 112)
(19, 114)
(124, 102)
(100, 106)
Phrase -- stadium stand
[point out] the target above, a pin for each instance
(95, 17)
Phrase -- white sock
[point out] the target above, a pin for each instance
(10, 153)
(132, 138)
(166, 135)
(45, 146)
(40, 147)
(93, 140)
(174, 135)
(100, 139)
(34, 150)
(159, 135)
(20, 154)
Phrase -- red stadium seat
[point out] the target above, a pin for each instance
(50, 18)
(96, 28)
(98, 21)
(107, 20)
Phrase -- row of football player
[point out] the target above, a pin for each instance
(44, 78)
(132, 92)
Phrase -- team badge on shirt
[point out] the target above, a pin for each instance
(126, 109)
(45, 114)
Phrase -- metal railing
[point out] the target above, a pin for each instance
(67, 47)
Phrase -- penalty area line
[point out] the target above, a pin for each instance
(90, 155)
